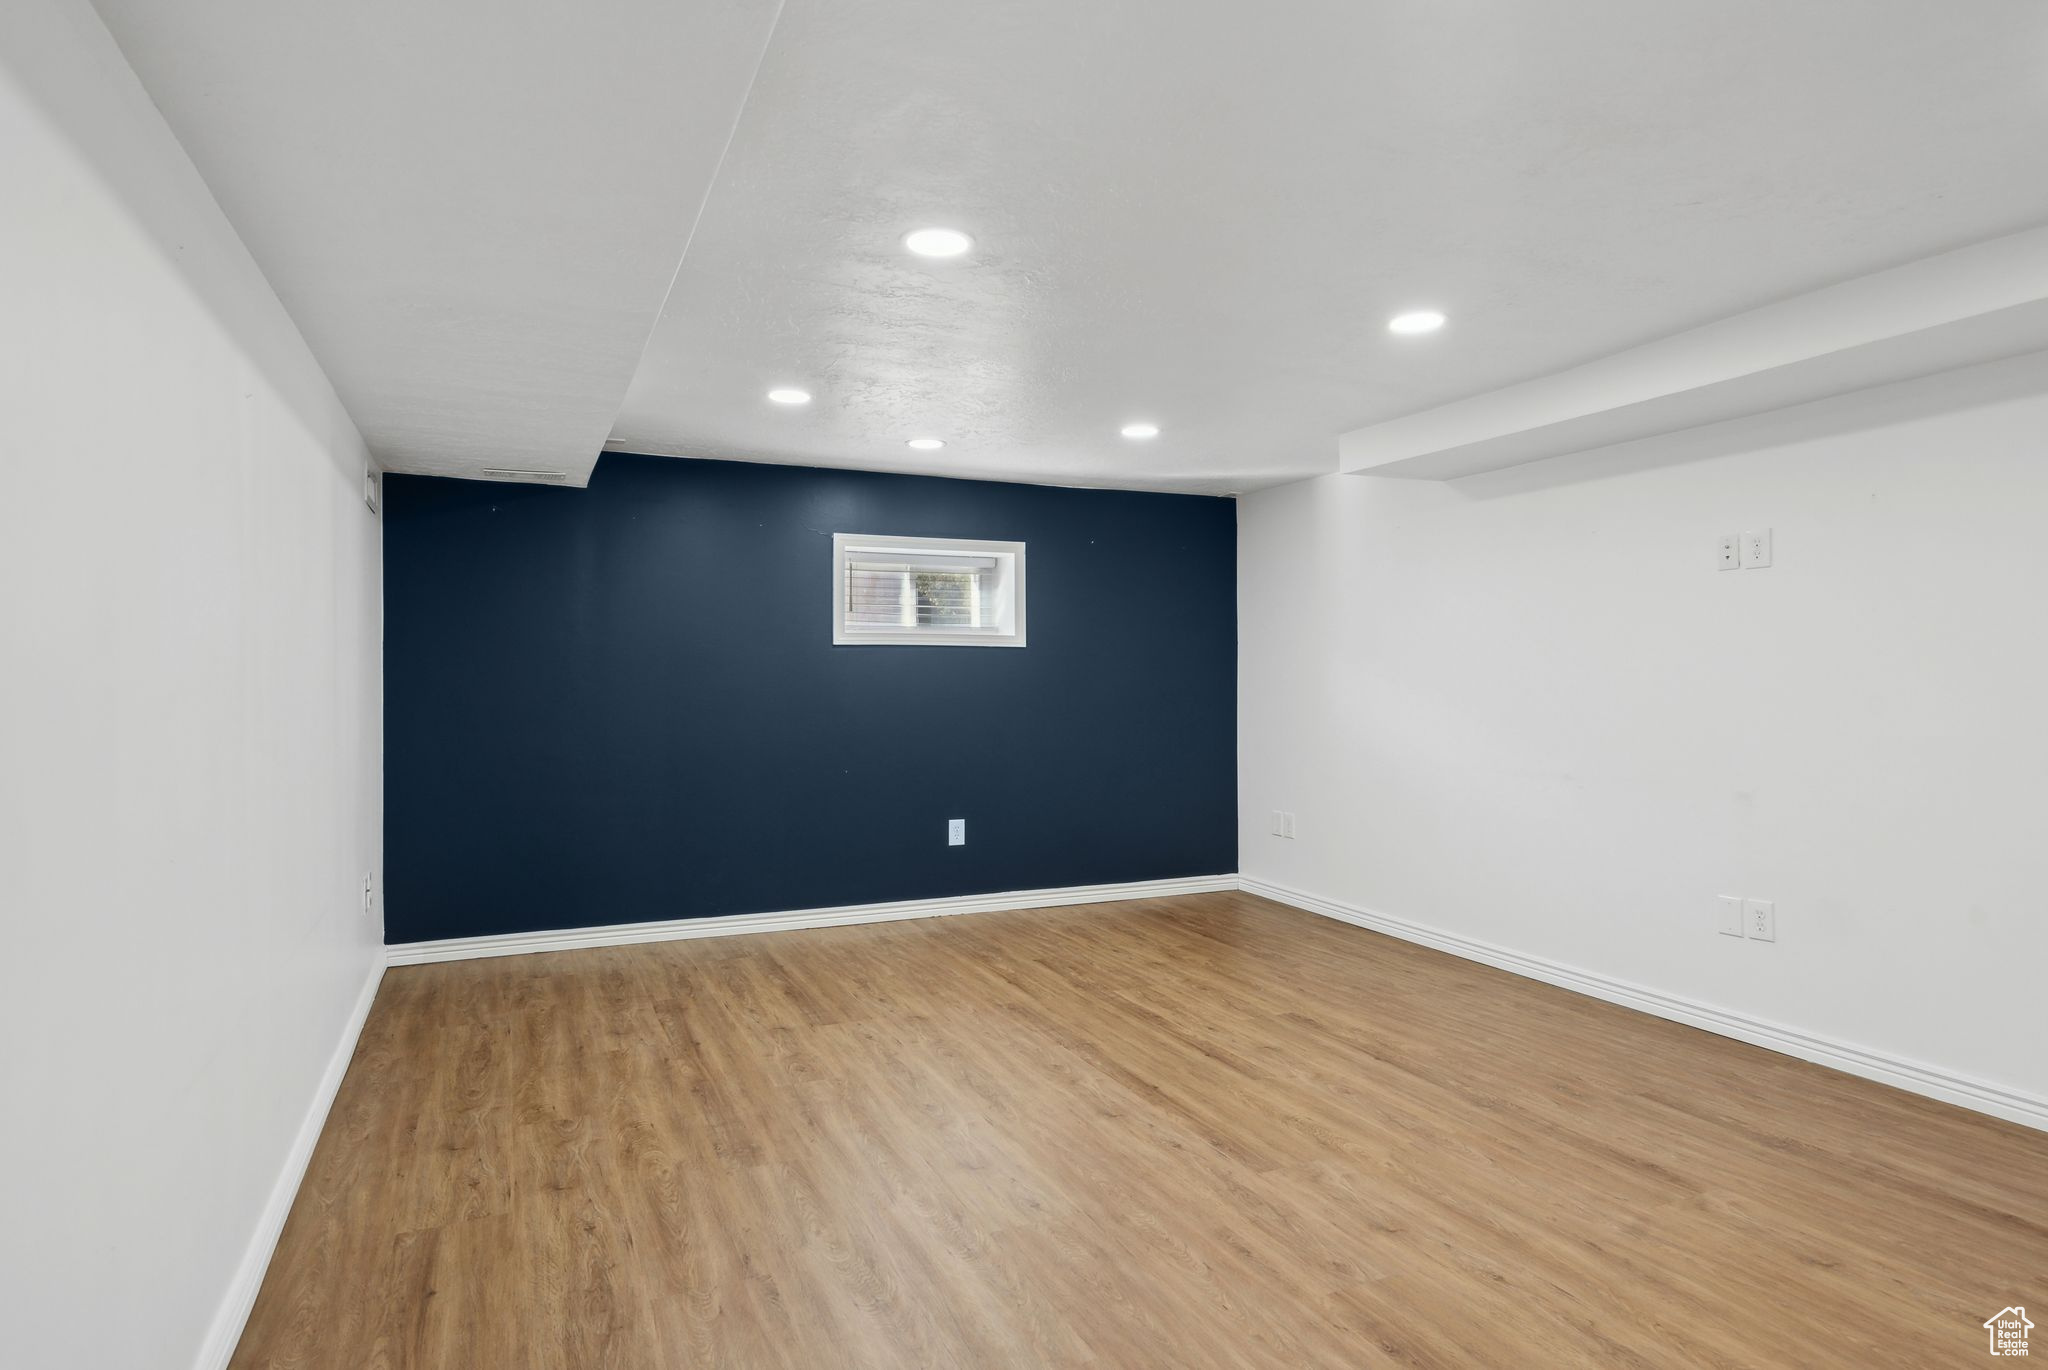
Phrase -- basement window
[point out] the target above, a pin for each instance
(926, 592)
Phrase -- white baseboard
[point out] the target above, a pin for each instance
(233, 1313)
(731, 925)
(1901, 1072)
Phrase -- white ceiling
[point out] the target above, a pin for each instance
(1190, 211)
(472, 208)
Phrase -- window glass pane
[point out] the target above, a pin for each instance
(919, 592)
(874, 598)
(947, 598)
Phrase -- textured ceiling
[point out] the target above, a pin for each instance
(1203, 213)
(1190, 211)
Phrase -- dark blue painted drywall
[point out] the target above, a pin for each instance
(623, 703)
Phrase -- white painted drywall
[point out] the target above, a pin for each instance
(1526, 708)
(189, 720)
(1975, 304)
(473, 209)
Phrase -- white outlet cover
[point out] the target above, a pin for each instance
(956, 832)
(1728, 915)
(1760, 917)
(1756, 548)
(1729, 553)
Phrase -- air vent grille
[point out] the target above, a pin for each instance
(529, 477)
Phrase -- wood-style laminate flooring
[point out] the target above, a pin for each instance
(1207, 1131)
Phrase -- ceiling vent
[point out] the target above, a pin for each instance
(528, 477)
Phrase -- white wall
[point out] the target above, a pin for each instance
(1525, 708)
(189, 720)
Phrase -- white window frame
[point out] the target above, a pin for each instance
(842, 636)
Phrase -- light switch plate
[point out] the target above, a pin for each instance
(1760, 917)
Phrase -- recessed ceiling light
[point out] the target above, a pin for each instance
(1140, 430)
(925, 444)
(938, 242)
(789, 394)
(1416, 321)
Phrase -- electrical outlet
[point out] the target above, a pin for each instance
(1760, 917)
(956, 832)
(1729, 914)
(1730, 552)
(369, 894)
(1756, 548)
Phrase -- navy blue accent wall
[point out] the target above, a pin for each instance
(623, 703)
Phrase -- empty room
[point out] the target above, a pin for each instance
(796, 684)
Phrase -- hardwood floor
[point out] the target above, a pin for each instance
(1192, 1132)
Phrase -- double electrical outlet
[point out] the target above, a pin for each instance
(1749, 551)
(1756, 919)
